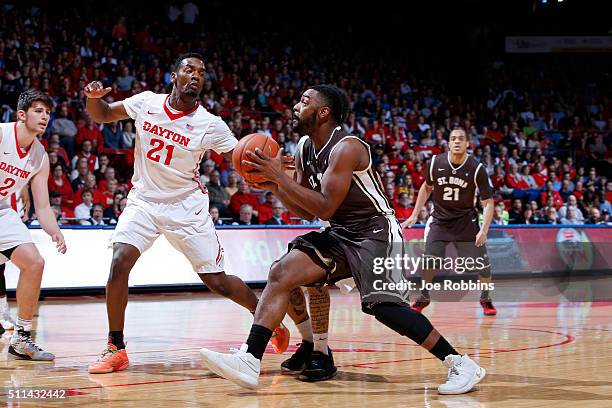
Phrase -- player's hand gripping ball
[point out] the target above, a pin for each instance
(266, 144)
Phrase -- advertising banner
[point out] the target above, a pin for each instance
(249, 252)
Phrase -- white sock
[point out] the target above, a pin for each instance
(3, 304)
(305, 329)
(25, 325)
(320, 342)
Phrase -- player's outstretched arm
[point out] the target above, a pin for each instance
(335, 183)
(45, 215)
(424, 193)
(100, 110)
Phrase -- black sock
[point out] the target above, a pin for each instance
(258, 340)
(442, 349)
(484, 294)
(116, 338)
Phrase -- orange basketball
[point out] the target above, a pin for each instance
(266, 144)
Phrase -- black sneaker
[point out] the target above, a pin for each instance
(1, 330)
(319, 367)
(296, 363)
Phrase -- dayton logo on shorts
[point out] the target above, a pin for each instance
(165, 133)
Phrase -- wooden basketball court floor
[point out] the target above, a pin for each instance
(538, 354)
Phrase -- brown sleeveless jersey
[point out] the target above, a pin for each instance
(365, 198)
(455, 186)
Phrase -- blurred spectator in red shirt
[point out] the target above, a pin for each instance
(550, 192)
(59, 183)
(418, 175)
(243, 196)
(90, 184)
(514, 180)
(266, 210)
(86, 153)
(403, 208)
(91, 131)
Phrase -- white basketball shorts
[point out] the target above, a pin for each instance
(13, 231)
(185, 224)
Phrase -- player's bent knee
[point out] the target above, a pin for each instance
(216, 282)
(278, 274)
(120, 267)
(38, 264)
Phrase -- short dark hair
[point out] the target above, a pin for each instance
(27, 98)
(180, 58)
(336, 99)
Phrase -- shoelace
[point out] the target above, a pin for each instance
(105, 353)
(28, 340)
(453, 372)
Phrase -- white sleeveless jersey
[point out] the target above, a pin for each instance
(17, 166)
(170, 145)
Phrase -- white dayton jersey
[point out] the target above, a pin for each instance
(170, 145)
(17, 165)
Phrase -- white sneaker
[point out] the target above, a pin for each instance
(6, 319)
(463, 375)
(240, 367)
(23, 348)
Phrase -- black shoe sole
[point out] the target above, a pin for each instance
(329, 376)
(17, 355)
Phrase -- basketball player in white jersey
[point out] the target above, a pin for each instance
(173, 132)
(23, 159)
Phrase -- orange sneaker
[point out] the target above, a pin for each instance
(111, 360)
(280, 338)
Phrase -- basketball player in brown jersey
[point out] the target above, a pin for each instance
(453, 179)
(337, 182)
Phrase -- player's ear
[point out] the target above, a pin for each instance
(173, 77)
(324, 113)
(21, 115)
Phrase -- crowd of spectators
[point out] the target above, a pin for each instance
(542, 134)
